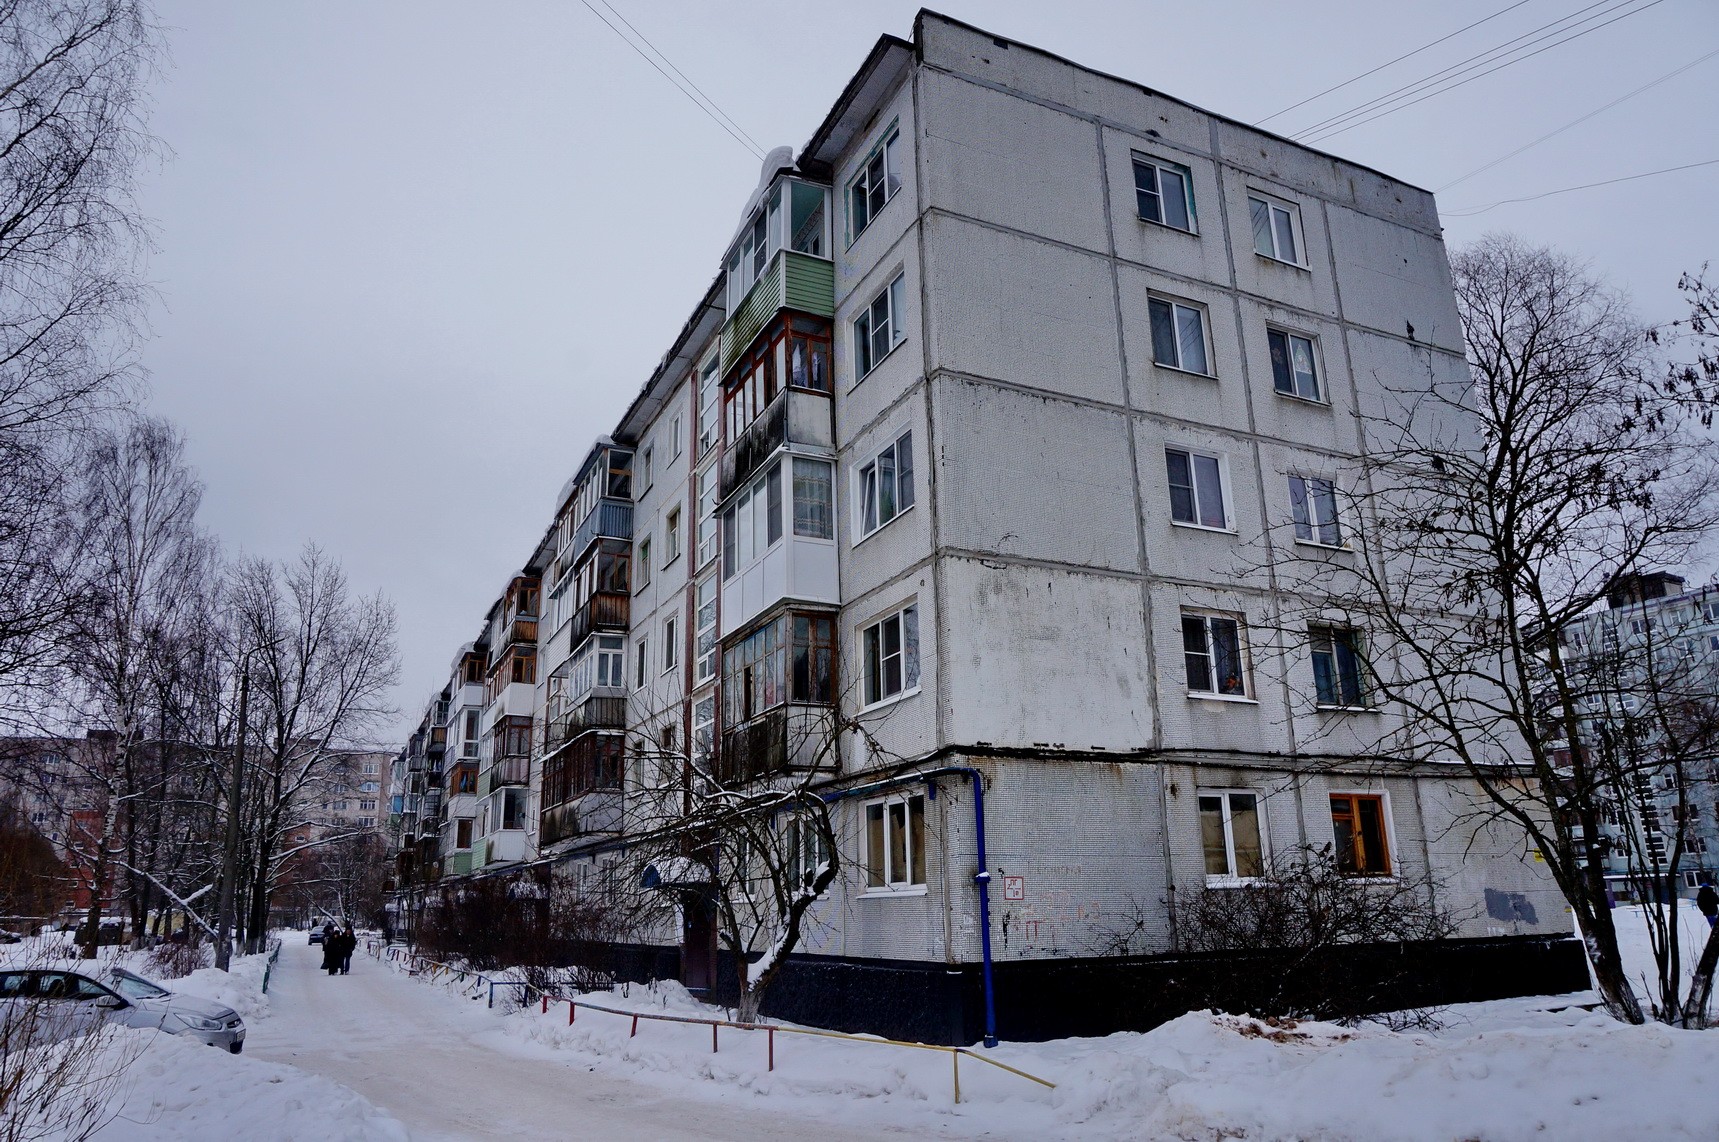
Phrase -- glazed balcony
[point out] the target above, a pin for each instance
(595, 712)
(796, 416)
(597, 812)
(603, 611)
(507, 771)
(610, 519)
(791, 738)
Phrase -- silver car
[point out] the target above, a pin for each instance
(70, 1002)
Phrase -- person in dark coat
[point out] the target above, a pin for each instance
(1708, 901)
(330, 949)
(348, 945)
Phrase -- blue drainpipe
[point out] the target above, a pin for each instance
(982, 878)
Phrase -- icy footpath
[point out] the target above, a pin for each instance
(1519, 1069)
(177, 1089)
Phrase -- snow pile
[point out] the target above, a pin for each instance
(179, 1089)
(1204, 1076)
(240, 988)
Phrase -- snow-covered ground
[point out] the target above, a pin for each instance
(381, 1055)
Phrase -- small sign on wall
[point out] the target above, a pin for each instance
(1014, 888)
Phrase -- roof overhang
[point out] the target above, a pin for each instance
(876, 79)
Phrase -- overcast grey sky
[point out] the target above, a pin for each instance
(414, 256)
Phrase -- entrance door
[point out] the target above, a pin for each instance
(697, 944)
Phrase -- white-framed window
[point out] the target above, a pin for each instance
(366, 806)
(642, 565)
(709, 524)
(1164, 193)
(703, 732)
(671, 537)
(704, 631)
(1294, 369)
(878, 181)
(709, 403)
(895, 842)
(877, 330)
(611, 657)
(889, 651)
(807, 852)
(1276, 228)
(753, 523)
(1313, 506)
(367, 822)
(1339, 667)
(671, 645)
(1197, 496)
(1231, 835)
(885, 484)
(1214, 654)
(676, 444)
(640, 656)
(645, 470)
(1179, 335)
(814, 498)
(1711, 610)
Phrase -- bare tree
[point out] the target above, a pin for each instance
(323, 664)
(145, 571)
(755, 845)
(71, 141)
(1497, 507)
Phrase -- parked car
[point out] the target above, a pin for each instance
(316, 935)
(73, 1003)
(8, 937)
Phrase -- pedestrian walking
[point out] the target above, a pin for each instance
(348, 944)
(331, 949)
(1708, 901)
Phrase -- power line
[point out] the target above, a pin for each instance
(1577, 122)
(713, 104)
(1506, 47)
(1388, 63)
(1569, 189)
(710, 110)
(1459, 75)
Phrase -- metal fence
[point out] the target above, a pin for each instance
(419, 965)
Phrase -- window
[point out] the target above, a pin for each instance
(1163, 193)
(709, 404)
(1229, 833)
(709, 523)
(704, 631)
(645, 470)
(671, 537)
(1338, 674)
(895, 842)
(891, 650)
(877, 330)
(1293, 371)
(1178, 335)
(639, 650)
(671, 646)
(1212, 652)
(876, 183)
(789, 659)
(367, 806)
(1313, 503)
(886, 485)
(814, 499)
(367, 822)
(611, 653)
(462, 832)
(1358, 827)
(513, 808)
(1274, 228)
(807, 852)
(644, 563)
(753, 523)
(703, 732)
(675, 442)
(1196, 489)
